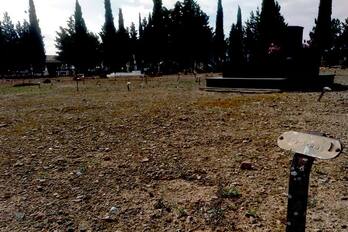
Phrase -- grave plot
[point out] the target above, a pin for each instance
(164, 156)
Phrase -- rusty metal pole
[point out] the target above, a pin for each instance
(298, 193)
(307, 148)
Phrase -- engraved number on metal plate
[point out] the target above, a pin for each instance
(310, 145)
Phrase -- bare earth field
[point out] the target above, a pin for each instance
(165, 156)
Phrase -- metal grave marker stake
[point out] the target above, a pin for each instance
(307, 148)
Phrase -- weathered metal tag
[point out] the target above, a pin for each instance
(310, 145)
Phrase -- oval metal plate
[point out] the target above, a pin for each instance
(311, 145)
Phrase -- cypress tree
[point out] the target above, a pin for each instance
(157, 35)
(219, 37)
(80, 54)
(133, 45)
(140, 28)
(157, 13)
(120, 21)
(239, 19)
(122, 43)
(108, 36)
(322, 32)
(37, 48)
(109, 26)
(149, 19)
(235, 50)
(80, 25)
(77, 46)
(86, 52)
(140, 44)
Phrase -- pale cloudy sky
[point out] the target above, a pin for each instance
(54, 13)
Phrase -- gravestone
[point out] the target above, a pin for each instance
(290, 65)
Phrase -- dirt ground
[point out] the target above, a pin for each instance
(164, 156)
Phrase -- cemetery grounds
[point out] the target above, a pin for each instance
(165, 156)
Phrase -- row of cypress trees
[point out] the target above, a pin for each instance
(167, 40)
(180, 38)
(170, 39)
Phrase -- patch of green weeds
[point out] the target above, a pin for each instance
(251, 213)
(312, 203)
(230, 192)
(216, 215)
(82, 168)
(181, 212)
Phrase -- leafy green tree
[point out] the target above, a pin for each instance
(338, 42)
(9, 50)
(252, 37)
(108, 36)
(76, 46)
(345, 33)
(336, 46)
(344, 39)
(190, 35)
(272, 26)
(219, 36)
(262, 29)
(37, 48)
(133, 32)
(65, 41)
(336, 32)
(23, 46)
(2, 48)
(235, 48)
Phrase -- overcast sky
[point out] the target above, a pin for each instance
(54, 13)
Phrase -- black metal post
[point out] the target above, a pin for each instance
(298, 193)
(313, 145)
